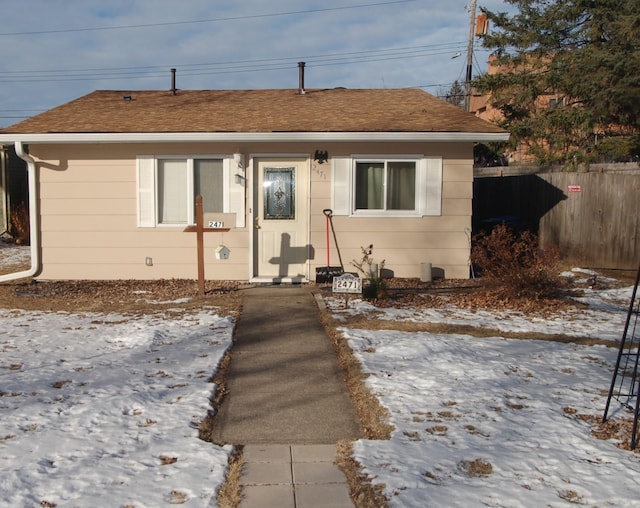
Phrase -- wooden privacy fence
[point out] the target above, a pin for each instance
(593, 216)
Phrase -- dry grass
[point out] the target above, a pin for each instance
(220, 380)
(121, 296)
(230, 493)
(476, 467)
(13, 268)
(372, 415)
(363, 493)
(618, 429)
(368, 323)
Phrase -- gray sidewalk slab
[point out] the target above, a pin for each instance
(296, 476)
(284, 385)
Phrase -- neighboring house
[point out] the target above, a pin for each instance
(117, 173)
(481, 105)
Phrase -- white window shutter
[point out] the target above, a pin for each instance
(234, 200)
(432, 204)
(146, 181)
(341, 167)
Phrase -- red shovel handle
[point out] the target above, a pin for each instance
(327, 232)
(327, 213)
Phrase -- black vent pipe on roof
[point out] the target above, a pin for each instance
(173, 82)
(301, 78)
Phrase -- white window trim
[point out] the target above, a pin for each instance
(428, 186)
(147, 189)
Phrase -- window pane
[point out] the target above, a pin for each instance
(172, 191)
(369, 185)
(401, 185)
(208, 183)
(279, 193)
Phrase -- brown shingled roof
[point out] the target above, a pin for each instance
(333, 110)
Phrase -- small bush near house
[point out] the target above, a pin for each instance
(516, 264)
(20, 228)
(375, 286)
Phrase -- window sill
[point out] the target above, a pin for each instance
(194, 229)
(387, 215)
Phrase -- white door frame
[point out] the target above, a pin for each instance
(252, 182)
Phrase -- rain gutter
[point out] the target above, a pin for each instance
(199, 137)
(34, 237)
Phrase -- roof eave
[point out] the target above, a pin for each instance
(199, 137)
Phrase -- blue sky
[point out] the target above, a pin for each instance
(57, 50)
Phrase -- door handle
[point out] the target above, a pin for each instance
(256, 223)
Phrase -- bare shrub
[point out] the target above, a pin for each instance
(375, 286)
(517, 264)
(20, 226)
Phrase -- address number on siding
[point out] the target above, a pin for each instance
(216, 224)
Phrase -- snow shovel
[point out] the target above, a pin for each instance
(326, 274)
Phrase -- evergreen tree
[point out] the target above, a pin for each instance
(456, 94)
(569, 76)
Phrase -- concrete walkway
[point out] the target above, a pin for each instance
(284, 387)
(293, 476)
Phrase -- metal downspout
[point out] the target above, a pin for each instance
(33, 218)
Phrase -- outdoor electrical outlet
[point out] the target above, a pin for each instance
(148, 261)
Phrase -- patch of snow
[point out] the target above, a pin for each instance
(604, 319)
(506, 404)
(12, 254)
(103, 410)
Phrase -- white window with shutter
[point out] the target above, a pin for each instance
(387, 186)
(167, 187)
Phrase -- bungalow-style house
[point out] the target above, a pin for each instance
(114, 176)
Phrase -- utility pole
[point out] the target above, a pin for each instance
(467, 83)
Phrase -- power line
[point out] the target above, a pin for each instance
(450, 46)
(212, 20)
(229, 67)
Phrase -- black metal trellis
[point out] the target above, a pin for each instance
(624, 382)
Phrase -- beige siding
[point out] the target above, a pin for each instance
(405, 243)
(89, 230)
(457, 207)
(89, 226)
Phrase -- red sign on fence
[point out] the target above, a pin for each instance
(574, 188)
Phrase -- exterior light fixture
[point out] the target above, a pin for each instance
(239, 160)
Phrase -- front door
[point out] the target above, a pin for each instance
(281, 250)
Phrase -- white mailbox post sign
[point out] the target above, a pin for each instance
(347, 283)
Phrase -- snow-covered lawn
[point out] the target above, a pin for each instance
(102, 410)
(492, 421)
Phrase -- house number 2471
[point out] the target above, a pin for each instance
(347, 283)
